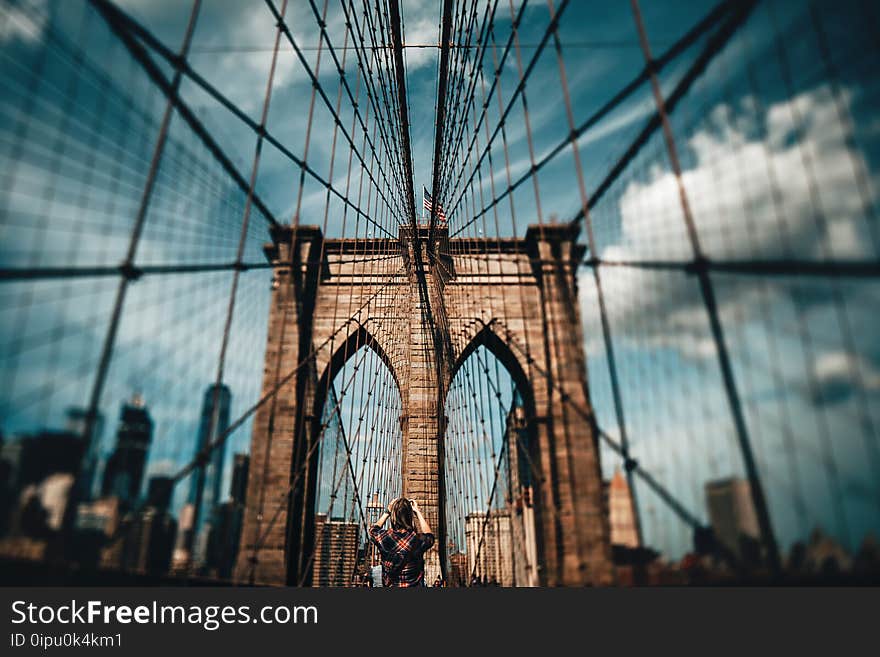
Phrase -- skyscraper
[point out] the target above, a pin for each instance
(520, 504)
(77, 424)
(620, 512)
(124, 472)
(37, 474)
(731, 512)
(225, 532)
(490, 546)
(374, 510)
(458, 569)
(159, 492)
(336, 548)
(96, 522)
(34, 457)
(207, 479)
(238, 487)
(180, 557)
(150, 536)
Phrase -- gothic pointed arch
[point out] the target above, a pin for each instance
(488, 337)
(358, 338)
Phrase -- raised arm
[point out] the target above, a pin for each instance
(424, 527)
(385, 514)
(382, 519)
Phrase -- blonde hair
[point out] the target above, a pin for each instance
(402, 514)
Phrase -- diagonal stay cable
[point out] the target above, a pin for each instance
(439, 122)
(130, 25)
(552, 26)
(283, 498)
(713, 47)
(120, 28)
(495, 82)
(400, 71)
(462, 107)
(320, 89)
(205, 453)
(301, 470)
(340, 67)
(630, 464)
(382, 109)
(344, 81)
(659, 64)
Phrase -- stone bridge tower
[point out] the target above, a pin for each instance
(333, 296)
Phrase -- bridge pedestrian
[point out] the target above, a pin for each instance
(402, 547)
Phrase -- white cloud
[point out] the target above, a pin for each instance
(732, 201)
(549, 112)
(421, 26)
(23, 22)
(730, 195)
(842, 368)
(163, 467)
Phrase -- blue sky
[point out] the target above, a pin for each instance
(779, 153)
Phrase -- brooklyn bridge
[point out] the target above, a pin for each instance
(594, 283)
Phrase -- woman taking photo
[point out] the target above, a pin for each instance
(403, 547)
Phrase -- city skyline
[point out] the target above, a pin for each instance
(655, 266)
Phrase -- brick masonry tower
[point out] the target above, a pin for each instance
(331, 297)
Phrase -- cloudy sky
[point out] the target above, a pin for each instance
(779, 150)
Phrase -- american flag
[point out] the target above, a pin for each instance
(429, 202)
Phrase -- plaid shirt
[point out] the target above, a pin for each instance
(414, 545)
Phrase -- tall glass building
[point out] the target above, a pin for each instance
(210, 477)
